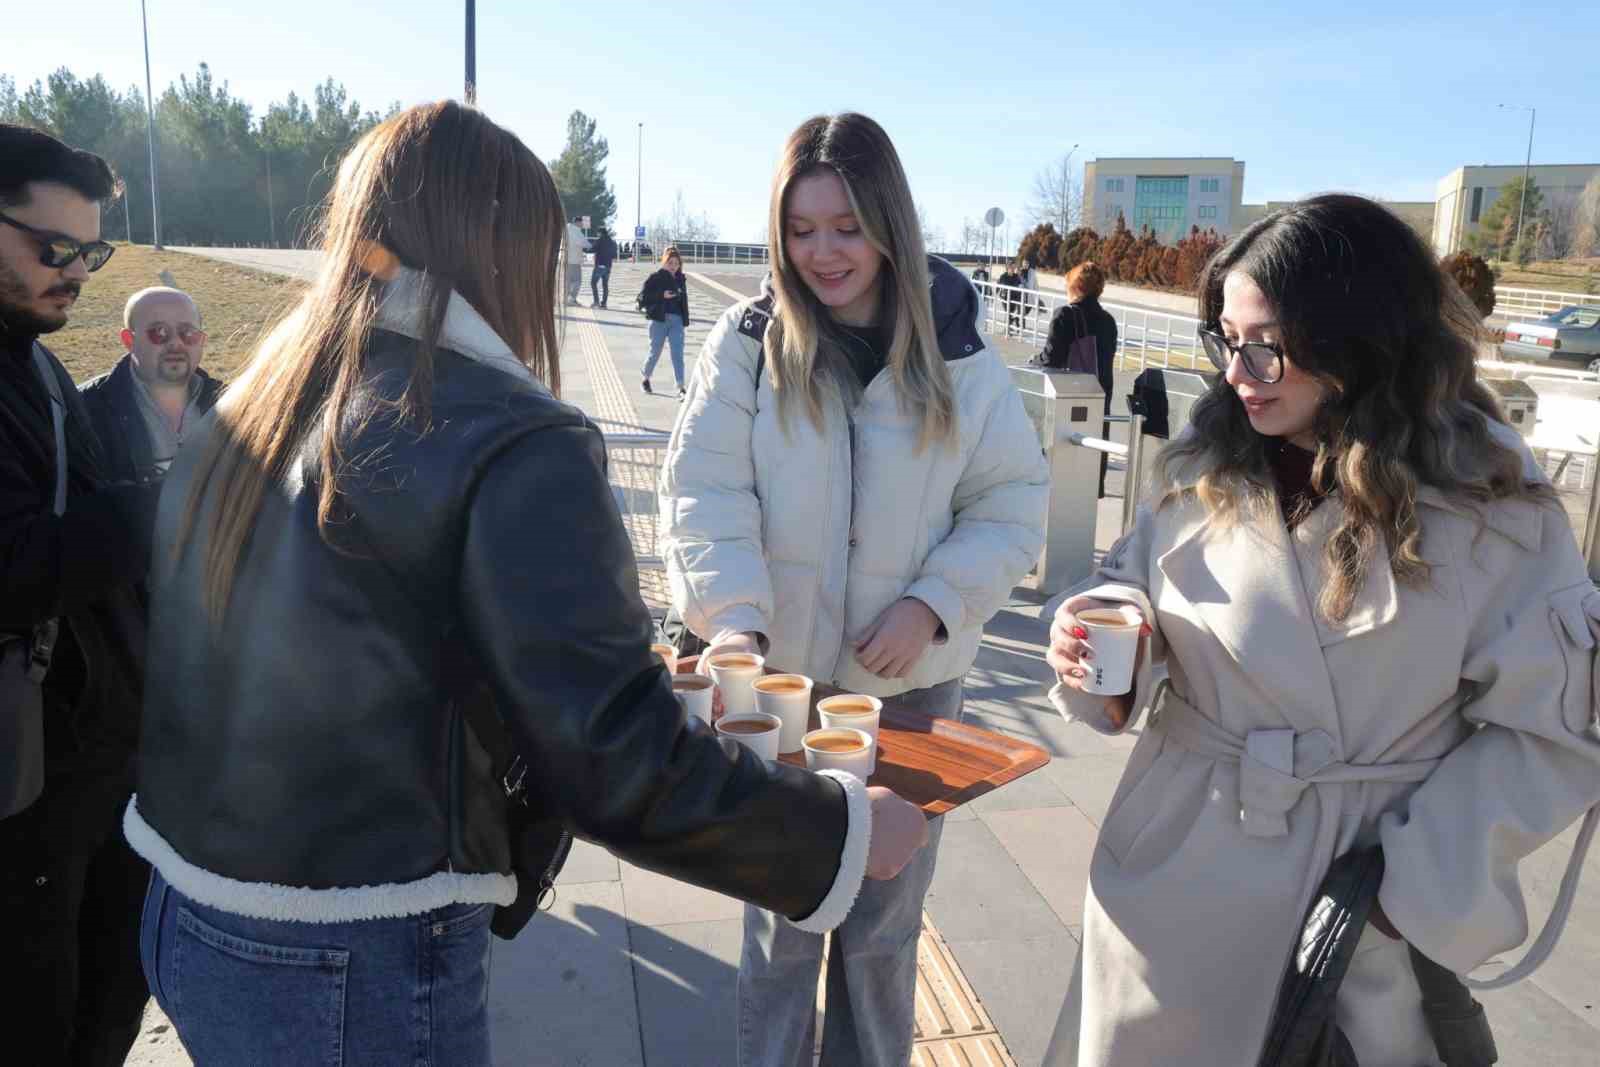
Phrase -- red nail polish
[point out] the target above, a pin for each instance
(1080, 633)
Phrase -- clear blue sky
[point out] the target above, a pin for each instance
(1380, 98)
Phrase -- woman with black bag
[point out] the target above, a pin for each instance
(393, 544)
(1377, 630)
(1079, 318)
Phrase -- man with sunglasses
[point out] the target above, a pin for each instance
(156, 395)
(73, 549)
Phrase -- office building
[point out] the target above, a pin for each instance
(1168, 195)
(1466, 193)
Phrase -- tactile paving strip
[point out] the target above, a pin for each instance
(632, 471)
(951, 1028)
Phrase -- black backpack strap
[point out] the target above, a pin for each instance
(1459, 1027)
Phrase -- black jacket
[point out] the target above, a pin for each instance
(657, 306)
(1064, 329)
(316, 739)
(114, 410)
(605, 251)
(82, 567)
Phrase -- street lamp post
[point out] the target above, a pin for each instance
(150, 116)
(1527, 166)
(472, 52)
(638, 194)
(1065, 221)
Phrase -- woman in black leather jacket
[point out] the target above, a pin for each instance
(394, 518)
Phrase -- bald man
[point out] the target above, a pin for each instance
(157, 394)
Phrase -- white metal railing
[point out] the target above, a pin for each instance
(1145, 337)
(634, 469)
(1511, 303)
(709, 251)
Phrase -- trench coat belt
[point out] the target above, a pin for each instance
(1275, 765)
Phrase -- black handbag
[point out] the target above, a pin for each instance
(25, 657)
(539, 844)
(1303, 1032)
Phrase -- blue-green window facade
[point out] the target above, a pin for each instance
(1163, 205)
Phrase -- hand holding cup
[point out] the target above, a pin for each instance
(1072, 655)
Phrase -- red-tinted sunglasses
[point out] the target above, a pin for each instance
(159, 333)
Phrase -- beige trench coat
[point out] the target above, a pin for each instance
(1196, 892)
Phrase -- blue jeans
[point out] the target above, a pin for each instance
(600, 279)
(671, 332)
(872, 964)
(267, 991)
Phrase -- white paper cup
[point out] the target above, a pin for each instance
(821, 756)
(853, 711)
(763, 743)
(1114, 637)
(669, 656)
(694, 692)
(788, 696)
(733, 672)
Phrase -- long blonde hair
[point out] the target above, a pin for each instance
(440, 189)
(1362, 305)
(805, 363)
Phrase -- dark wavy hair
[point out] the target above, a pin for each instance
(1361, 305)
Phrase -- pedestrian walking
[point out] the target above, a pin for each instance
(1028, 282)
(573, 249)
(605, 254)
(1376, 628)
(665, 300)
(853, 488)
(392, 555)
(1008, 282)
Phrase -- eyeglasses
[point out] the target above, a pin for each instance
(159, 333)
(58, 250)
(1262, 361)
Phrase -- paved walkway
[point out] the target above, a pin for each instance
(631, 968)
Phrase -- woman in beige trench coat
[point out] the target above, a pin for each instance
(1375, 625)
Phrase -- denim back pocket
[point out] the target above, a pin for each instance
(242, 1001)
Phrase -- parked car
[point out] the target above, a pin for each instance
(1571, 335)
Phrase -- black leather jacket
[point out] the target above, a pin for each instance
(114, 410)
(316, 740)
(657, 306)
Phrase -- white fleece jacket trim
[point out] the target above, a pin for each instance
(835, 907)
(287, 903)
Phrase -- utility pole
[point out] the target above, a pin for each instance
(472, 53)
(272, 214)
(150, 115)
(1527, 166)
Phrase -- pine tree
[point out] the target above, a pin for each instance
(580, 173)
(1497, 226)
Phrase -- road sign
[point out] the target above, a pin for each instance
(994, 217)
(638, 233)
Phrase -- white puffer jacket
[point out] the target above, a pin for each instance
(807, 536)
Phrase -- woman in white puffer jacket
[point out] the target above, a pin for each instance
(853, 488)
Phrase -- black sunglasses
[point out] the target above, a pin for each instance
(58, 250)
(1262, 361)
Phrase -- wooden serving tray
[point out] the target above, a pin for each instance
(937, 764)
